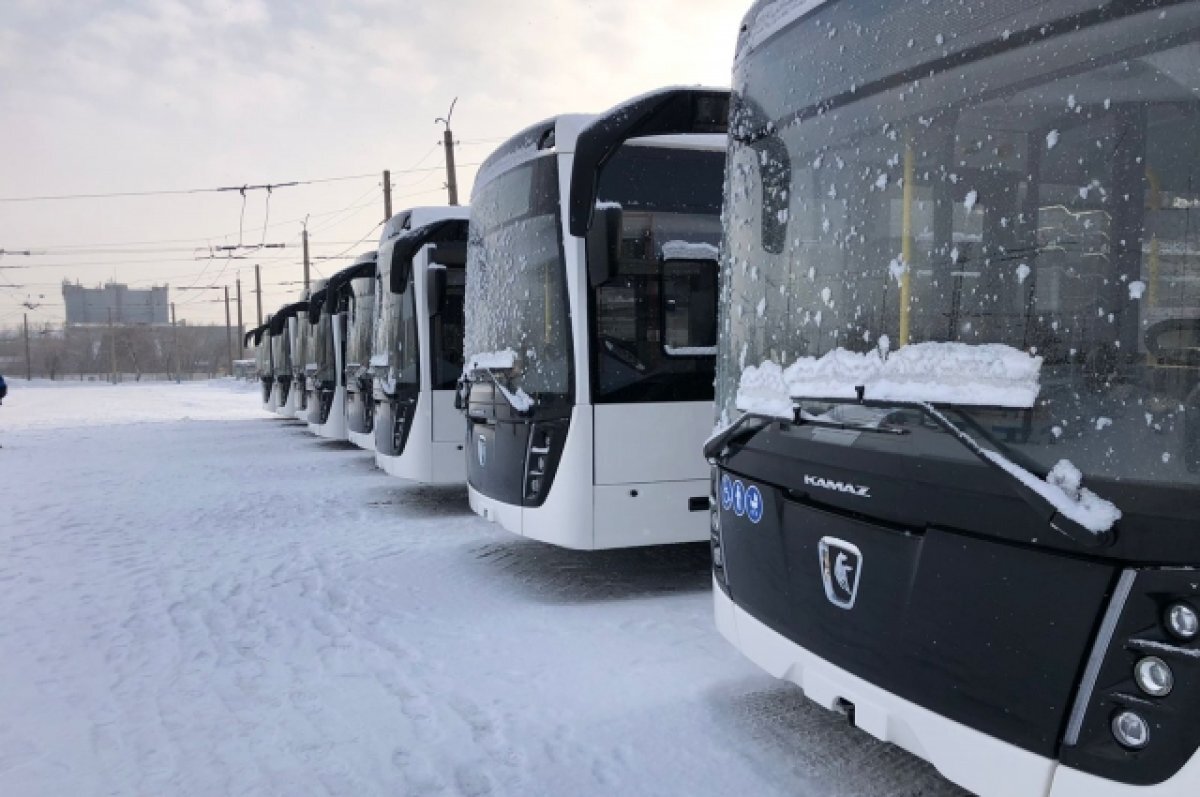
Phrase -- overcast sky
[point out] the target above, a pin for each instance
(145, 95)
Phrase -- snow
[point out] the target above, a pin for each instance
(491, 361)
(940, 373)
(1062, 489)
(203, 600)
(687, 250)
(1137, 289)
(1052, 139)
(690, 351)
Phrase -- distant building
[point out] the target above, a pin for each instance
(149, 306)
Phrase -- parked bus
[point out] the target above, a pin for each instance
(359, 297)
(327, 312)
(300, 332)
(417, 352)
(263, 366)
(591, 323)
(284, 399)
(957, 362)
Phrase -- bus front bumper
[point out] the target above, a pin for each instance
(976, 761)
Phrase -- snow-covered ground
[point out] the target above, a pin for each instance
(199, 599)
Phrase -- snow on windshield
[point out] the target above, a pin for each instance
(490, 361)
(689, 250)
(990, 375)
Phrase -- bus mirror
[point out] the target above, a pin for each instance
(435, 289)
(604, 244)
(401, 266)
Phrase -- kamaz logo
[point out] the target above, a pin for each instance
(839, 487)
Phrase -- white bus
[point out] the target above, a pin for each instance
(328, 313)
(264, 369)
(359, 299)
(300, 334)
(417, 353)
(591, 326)
(955, 498)
(286, 389)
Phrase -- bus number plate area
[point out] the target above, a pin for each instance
(989, 634)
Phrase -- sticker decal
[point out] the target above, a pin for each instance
(739, 498)
(726, 492)
(754, 504)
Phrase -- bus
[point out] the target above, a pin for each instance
(957, 382)
(327, 312)
(263, 366)
(300, 331)
(591, 323)
(287, 389)
(418, 347)
(359, 299)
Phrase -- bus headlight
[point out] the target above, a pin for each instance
(1131, 730)
(1154, 677)
(1182, 621)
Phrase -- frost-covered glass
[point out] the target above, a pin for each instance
(262, 358)
(516, 281)
(1039, 189)
(301, 342)
(281, 355)
(322, 349)
(360, 324)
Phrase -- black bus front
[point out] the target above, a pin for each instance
(956, 495)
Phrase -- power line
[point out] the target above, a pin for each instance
(215, 190)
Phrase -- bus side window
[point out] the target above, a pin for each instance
(689, 306)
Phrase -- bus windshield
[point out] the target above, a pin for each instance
(397, 352)
(1035, 190)
(516, 280)
(322, 349)
(280, 357)
(362, 312)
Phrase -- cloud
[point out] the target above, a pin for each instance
(102, 95)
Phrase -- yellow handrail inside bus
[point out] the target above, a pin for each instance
(906, 245)
(1155, 204)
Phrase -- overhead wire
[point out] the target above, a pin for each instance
(189, 191)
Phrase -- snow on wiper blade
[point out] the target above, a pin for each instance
(491, 362)
(519, 400)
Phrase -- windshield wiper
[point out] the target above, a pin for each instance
(521, 402)
(718, 449)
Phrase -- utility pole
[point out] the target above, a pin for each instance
(241, 331)
(175, 342)
(304, 236)
(228, 333)
(387, 195)
(112, 347)
(258, 290)
(448, 145)
(28, 362)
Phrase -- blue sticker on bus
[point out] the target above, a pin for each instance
(754, 504)
(726, 492)
(739, 498)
